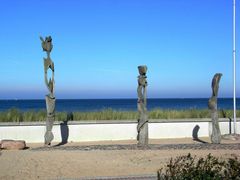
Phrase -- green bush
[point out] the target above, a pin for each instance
(209, 168)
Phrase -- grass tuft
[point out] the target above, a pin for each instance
(15, 115)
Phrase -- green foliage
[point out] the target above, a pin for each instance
(31, 116)
(209, 168)
(12, 115)
(178, 114)
(232, 168)
(15, 115)
(107, 114)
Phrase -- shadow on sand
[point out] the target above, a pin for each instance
(195, 134)
(64, 133)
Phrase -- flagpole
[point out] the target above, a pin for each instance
(234, 65)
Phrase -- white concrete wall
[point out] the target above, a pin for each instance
(80, 132)
(100, 132)
(177, 129)
(27, 133)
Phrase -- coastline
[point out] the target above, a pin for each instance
(93, 105)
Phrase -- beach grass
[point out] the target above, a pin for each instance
(15, 115)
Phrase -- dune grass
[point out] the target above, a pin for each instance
(15, 115)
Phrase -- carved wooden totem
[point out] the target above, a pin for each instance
(50, 98)
(142, 126)
(212, 105)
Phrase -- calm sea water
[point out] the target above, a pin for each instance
(116, 104)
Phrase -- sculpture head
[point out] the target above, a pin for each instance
(142, 70)
(215, 83)
(142, 81)
(47, 44)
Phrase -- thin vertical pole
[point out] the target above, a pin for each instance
(234, 65)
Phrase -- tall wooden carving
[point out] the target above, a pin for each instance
(50, 98)
(142, 127)
(212, 105)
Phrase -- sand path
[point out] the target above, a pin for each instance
(30, 164)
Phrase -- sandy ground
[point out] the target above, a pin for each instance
(28, 164)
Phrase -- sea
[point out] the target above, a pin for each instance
(85, 105)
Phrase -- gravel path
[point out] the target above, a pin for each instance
(202, 146)
(137, 177)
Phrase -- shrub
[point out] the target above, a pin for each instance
(209, 168)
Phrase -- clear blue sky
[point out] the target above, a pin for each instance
(98, 45)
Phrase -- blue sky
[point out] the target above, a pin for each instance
(98, 45)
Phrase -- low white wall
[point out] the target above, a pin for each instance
(27, 133)
(101, 132)
(177, 129)
(110, 130)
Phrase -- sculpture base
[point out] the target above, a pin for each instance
(216, 134)
(49, 135)
(143, 135)
(50, 104)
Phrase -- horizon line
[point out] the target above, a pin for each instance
(20, 99)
